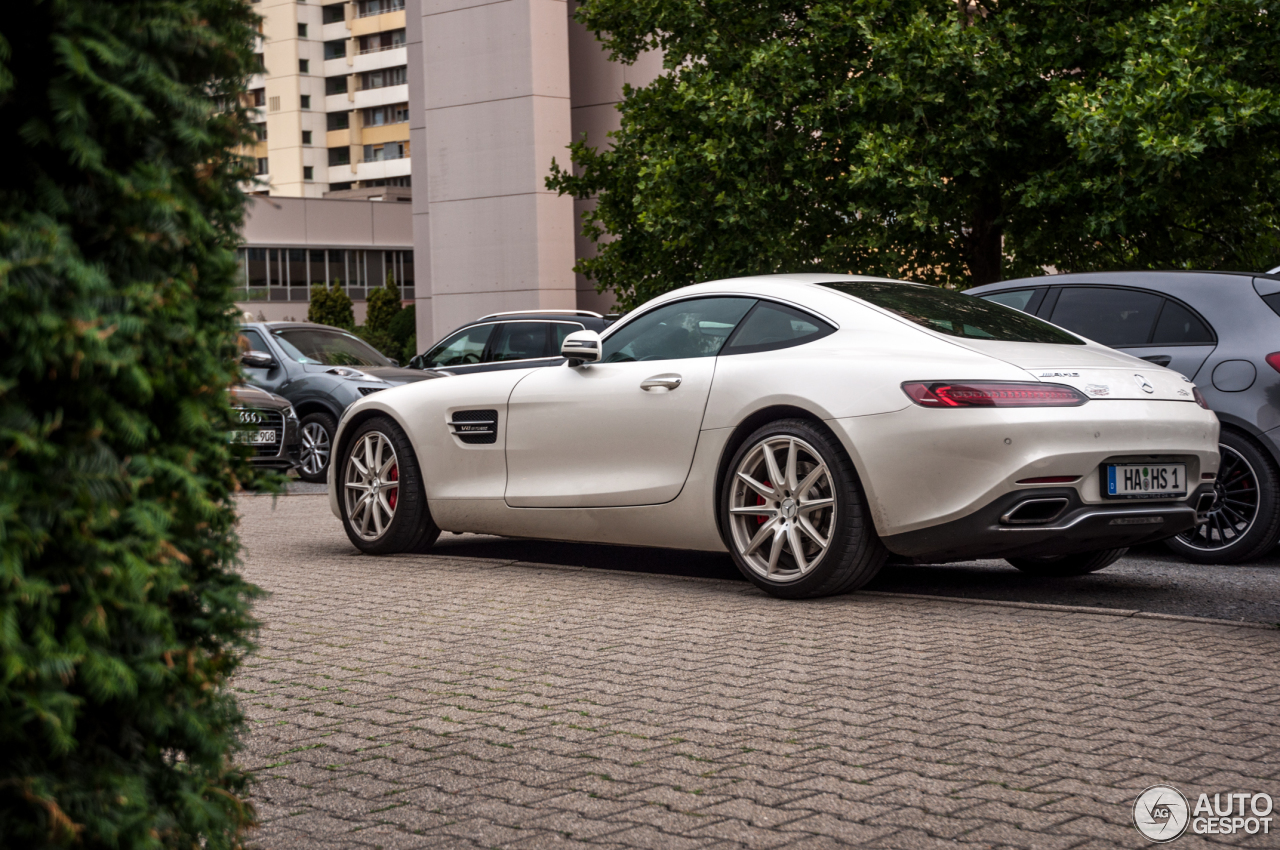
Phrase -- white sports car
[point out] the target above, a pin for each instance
(809, 424)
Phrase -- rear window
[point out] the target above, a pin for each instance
(954, 314)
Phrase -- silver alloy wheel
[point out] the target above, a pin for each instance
(315, 448)
(1235, 505)
(781, 517)
(371, 485)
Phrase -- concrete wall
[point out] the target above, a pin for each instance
(497, 90)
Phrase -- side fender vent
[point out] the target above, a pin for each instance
(475, 426)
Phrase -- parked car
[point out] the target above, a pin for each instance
(268, 423)
(1220, 329)
(321, 370)
(516, 340)
(808, 424)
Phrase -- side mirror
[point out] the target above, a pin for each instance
(581, 347)
(394, 362)
(257, 360)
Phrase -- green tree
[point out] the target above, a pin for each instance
(121, 612)
(950, 143)
(331, 306)
(383, 306)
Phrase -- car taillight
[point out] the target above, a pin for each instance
(1273, 360)
(1200, 398)
(992, 394)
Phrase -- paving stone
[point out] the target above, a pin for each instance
(443, 700)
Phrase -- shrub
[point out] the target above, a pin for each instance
(121, 613)
(331, 306)
(383, 307)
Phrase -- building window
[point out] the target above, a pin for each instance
(260, 131)
(306, 101)
(304, 66)
(337, 120)
(335, 85)
(339, 187)
(333, 13)
(306, 137)
(262, 166)
(336, 49)
(365, 8)
(387, 151)
(258, 97)
(382, 41)
(302, 30)
(308, 172)
(396, 113)
(340, 156)
(259, 64)
(386, 77)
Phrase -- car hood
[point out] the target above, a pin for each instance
(245, 395)
(399, 374)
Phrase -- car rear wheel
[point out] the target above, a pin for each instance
(316, 431)
(797, 520)
(384, 504)
(1060, 566)
(1244, 521)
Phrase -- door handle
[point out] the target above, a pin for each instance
(668, 381)
(1159, 359)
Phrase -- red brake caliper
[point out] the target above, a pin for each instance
(393, 475)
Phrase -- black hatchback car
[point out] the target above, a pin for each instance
(320, 370)
(517, 340)
(1220, 329)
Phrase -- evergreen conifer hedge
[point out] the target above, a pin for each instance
(121, 612)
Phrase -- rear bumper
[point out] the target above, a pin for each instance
(1079, 527)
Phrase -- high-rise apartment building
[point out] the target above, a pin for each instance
(332, 97)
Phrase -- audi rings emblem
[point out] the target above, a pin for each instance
(250, 417)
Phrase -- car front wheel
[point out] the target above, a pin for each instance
(317, 431)
(796, 516)
(1244, 521)
(384, 504)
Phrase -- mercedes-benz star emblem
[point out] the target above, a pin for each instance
(1144, 383)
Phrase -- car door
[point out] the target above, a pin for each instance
(460, 352)
(622, 431)
(526, 345)
(272, 379)
(1136, 321)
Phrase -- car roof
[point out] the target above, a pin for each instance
(1171, 279)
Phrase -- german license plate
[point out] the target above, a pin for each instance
(254, 438)
(1145, 480)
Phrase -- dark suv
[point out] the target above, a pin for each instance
(320, 370)
(518, 340)
(1222, 330)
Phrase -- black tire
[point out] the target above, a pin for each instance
(1061, 566)
(854, 553)
(411, 528)
(1247, 479)
(309, 452)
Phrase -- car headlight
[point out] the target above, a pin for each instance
(290, 413)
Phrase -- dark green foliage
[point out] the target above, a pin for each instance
(383, 306)
(121, 613)
(915, 138)
(331, 306)
(389, 326)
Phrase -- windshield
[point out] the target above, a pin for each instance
(954, 314)
(327, 348)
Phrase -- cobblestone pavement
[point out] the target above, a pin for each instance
(441, 701)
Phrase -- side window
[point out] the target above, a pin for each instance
(519, 341)
(560, 330)
(1108, 315)
(685, 329)
(1026, 300)
(1179, 326)
(462, 349)
(251, 340)
(769, 327)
